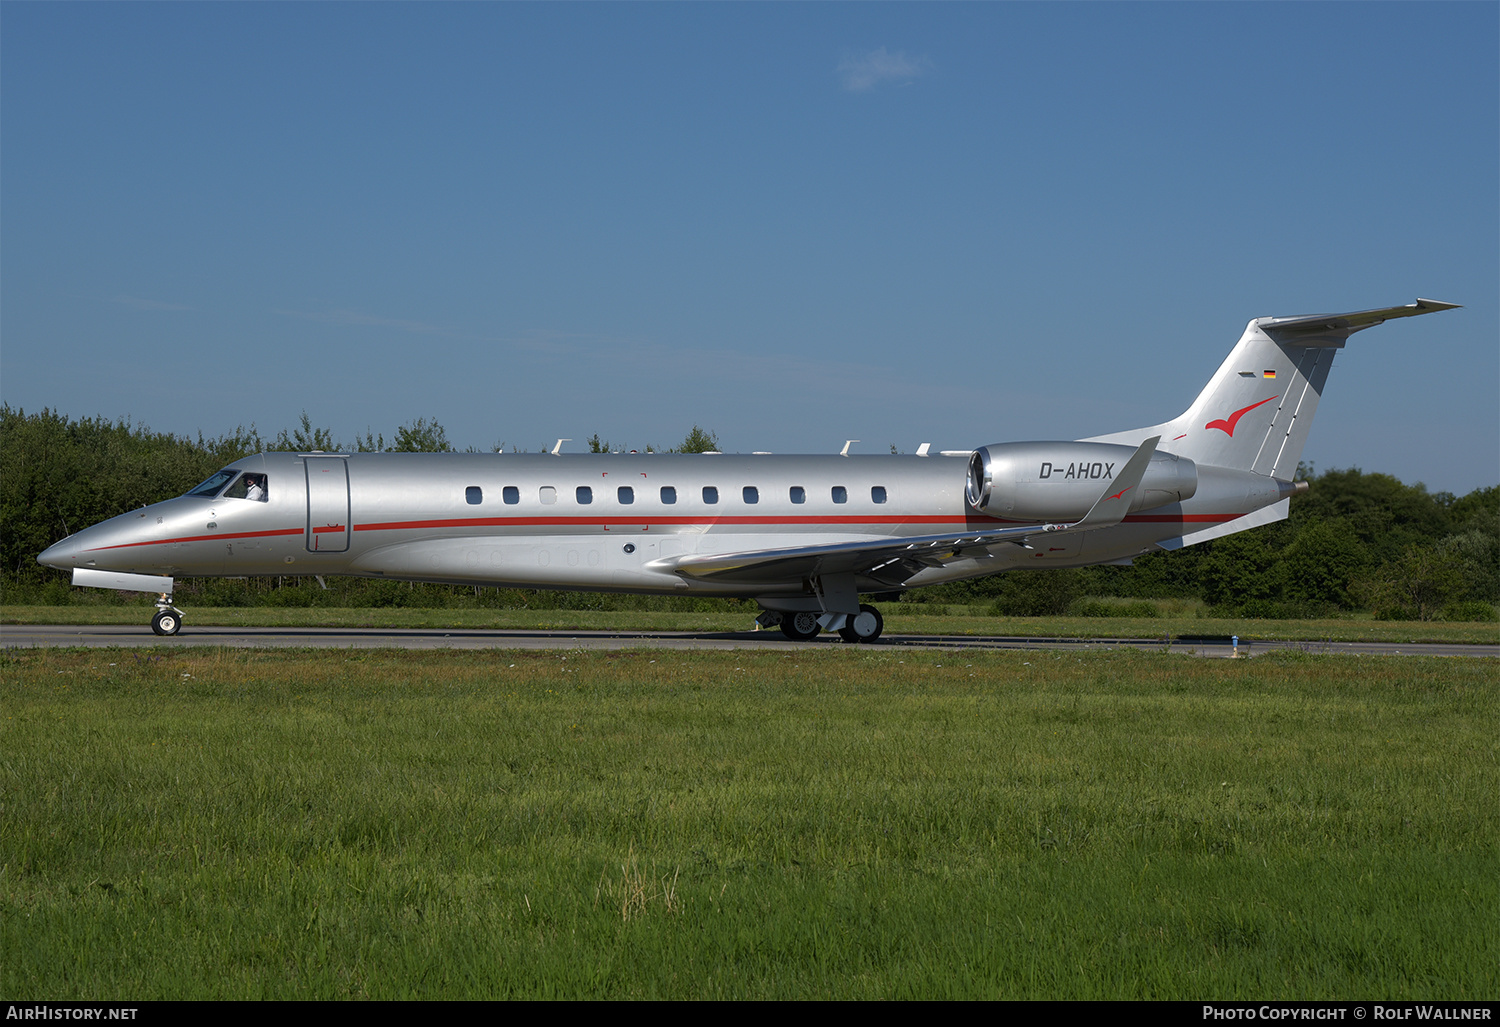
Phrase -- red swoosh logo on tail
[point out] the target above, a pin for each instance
(1126, 489)
(1227, 427)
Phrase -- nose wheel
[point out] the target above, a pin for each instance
(168, 619)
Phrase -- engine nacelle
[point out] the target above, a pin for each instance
(1061, 481)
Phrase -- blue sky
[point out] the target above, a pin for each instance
(791, 224)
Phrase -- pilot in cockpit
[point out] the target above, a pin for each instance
(250, 486)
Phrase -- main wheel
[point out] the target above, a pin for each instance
(800, 627)
(166, 622)
(864, 626)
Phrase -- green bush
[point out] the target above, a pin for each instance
(1471, 610)
(1272, 609)
(1420, 584)
(1108, 608)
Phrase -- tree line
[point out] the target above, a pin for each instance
(1356, 541)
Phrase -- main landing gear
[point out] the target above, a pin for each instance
(800, 627)
(805, 625)
(168, 619)
(864, 626)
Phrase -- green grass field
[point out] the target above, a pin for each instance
(913, 618)
(840, 823)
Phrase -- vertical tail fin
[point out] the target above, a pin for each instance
(1257, 409)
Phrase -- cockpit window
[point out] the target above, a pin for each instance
(250, 486)
(212, 486)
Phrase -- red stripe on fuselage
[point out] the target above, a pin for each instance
(201, 538)
(599, 522)
(969, 523)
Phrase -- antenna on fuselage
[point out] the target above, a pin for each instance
(557, 449)
(847, 444)
(923, 448)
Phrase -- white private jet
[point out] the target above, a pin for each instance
(801, 535)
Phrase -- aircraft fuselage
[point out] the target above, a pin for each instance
(602, 522)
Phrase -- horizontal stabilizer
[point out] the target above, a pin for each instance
(1351, 322)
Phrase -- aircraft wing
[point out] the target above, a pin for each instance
(889, 560)
(893, 561)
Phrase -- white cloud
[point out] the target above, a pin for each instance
(862, 74)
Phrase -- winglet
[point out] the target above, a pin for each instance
(1114, 504)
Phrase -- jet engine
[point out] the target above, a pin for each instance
(1061, 481)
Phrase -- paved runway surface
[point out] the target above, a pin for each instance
(32, 636)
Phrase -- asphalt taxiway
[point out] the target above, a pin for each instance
(13, 636)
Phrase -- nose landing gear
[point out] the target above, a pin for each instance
(168, 619)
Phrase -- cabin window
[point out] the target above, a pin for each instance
(474, 495)
(669, 494)
(250, 486)
(626, 495)
(511, 495)
(877, 493)
(212, 486)
(710, 494)
(799, 494)
(547, 494)
(585, 495)
(840, 494)
(751, 494)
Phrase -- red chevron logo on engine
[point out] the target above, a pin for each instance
(1227, 427)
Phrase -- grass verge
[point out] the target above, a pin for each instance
(845, 823)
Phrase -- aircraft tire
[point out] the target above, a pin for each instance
(166, 622)
(864, 626)
(800, 627)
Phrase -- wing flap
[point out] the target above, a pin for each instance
(885, 559)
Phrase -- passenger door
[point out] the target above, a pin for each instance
(327, 504)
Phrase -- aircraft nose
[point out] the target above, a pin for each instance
(61, 555)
